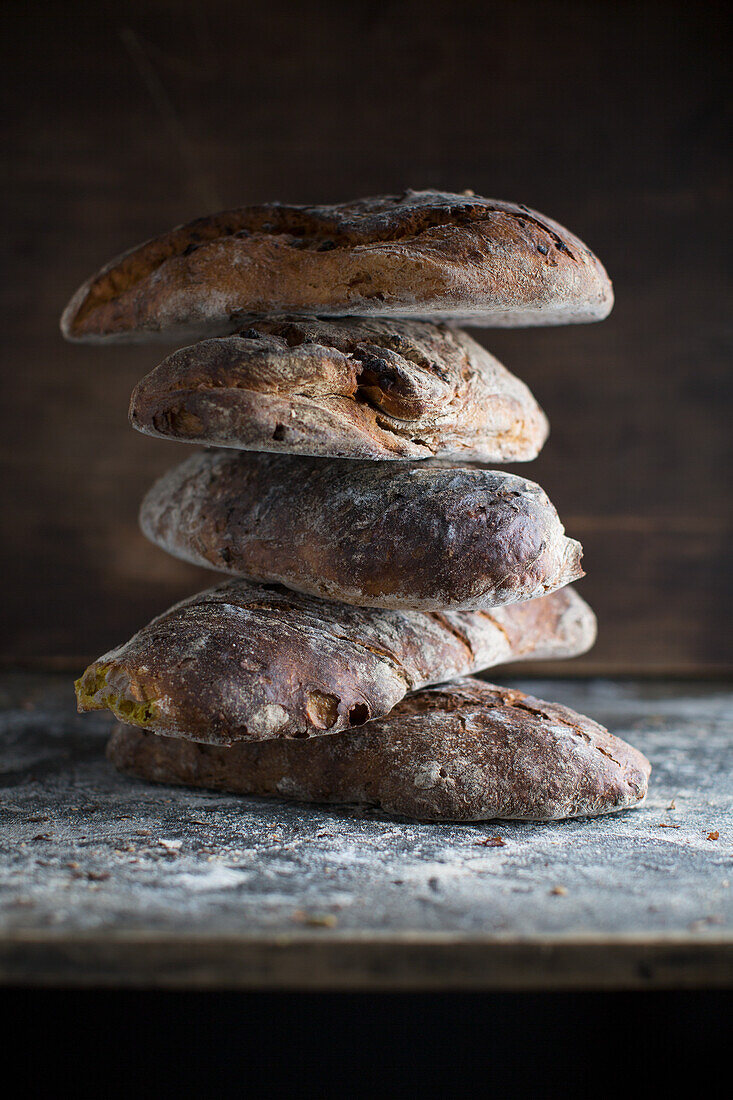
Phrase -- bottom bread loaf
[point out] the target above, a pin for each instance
(463, 751)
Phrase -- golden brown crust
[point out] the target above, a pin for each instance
(349, 388)
(465, 751)
(425, 254)
(248, 662)
(410, 535)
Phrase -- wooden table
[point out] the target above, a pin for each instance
(105, 881)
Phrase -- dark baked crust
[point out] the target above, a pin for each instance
(425, 254)
(349, 388)
(411, 535)
(466, 751)
(244, 661)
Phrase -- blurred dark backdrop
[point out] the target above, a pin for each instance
(122, 119)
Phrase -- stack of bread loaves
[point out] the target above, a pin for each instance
(346, 424)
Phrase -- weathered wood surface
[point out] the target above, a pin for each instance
(104, 880)
(125, 119)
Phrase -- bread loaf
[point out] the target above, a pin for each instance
(350, 388)
(465, 751)
(422, 254)
(410, 535)
(244, 661)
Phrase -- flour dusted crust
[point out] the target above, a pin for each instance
(422, 254)
(244, 661)
(350, 388)
(409, 535)
(466, 751)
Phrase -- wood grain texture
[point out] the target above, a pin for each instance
(109, 881)
(609, 118)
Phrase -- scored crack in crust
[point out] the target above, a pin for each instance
(249, 662)
(425, 536)
(425, 254)
(350, 388)
(465, 751)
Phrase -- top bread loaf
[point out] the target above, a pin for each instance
(423, 254)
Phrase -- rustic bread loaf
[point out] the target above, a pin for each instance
(410, 535)
(424, 254)
(243, 661)
(465, 751)
(351, 388)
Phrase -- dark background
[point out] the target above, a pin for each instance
(109, 1043)
(123, 119)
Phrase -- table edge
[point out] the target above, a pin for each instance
(340, 961)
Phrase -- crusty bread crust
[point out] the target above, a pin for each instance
(248, 662)
(422, 254)
(349, 388)
(408, 535)
(465, 751)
